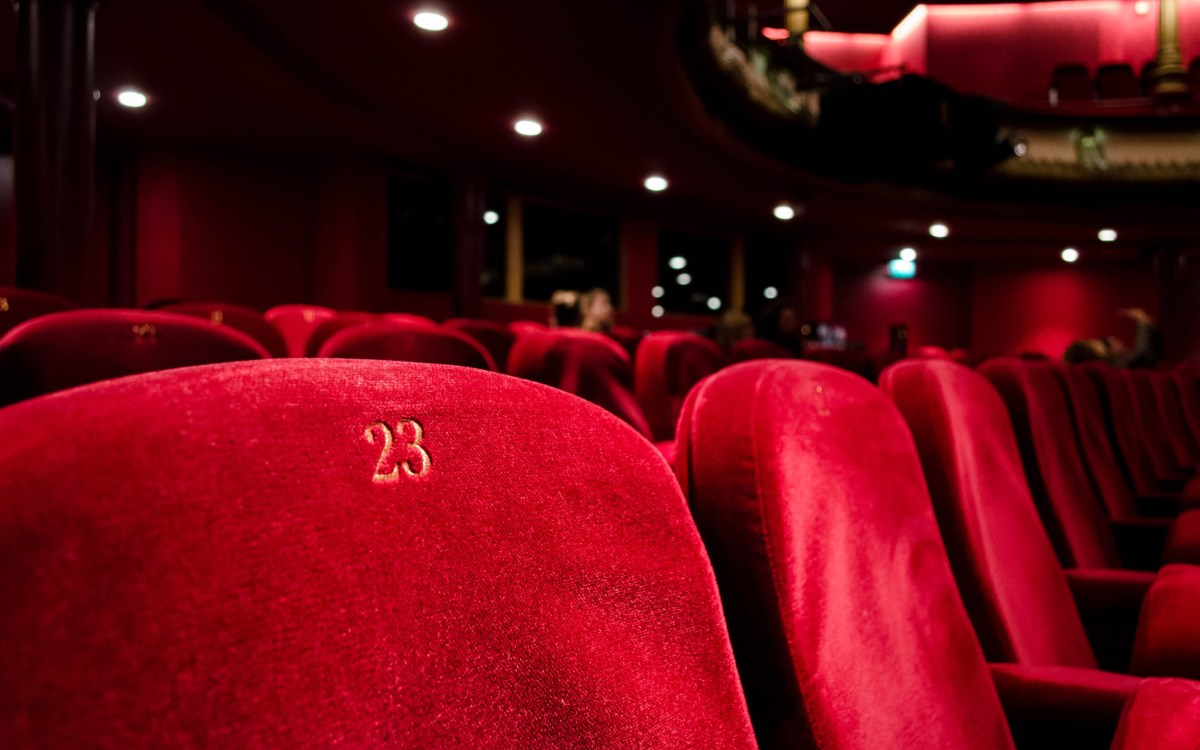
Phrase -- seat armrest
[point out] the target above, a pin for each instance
(1183, 541)
(1045, 704)
(1168, 633)
(1161, 504)
(1141, 541)
(1160, 715)
(1110, 603)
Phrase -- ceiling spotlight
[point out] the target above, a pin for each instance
(770, 292)
(1070, 255)
(430, 20)
(908, 254)
(131, 98)
(657, 311)
(1141, 7)
(1107, 235)
(714, 303)
(657, 292)
(490, 217)
(683, 279)
(784, 212)
(677, 263)
(656, 183)
(939, 230)
(528, 127)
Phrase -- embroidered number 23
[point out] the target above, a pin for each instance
(401, 452)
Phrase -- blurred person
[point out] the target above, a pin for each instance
(564, 309)
(1146, 351)
(596, 310)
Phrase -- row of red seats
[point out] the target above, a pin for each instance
(318, 552)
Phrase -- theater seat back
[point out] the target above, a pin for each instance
(419, 342)
(1125, 428)
(845, 621)
(329, 328)
(245, 319)
(667, 365)
(495, 337)
(20, 305)
(1088, 412)
(67, 349)
(296, 323)
(319, 553)
(1005, 566)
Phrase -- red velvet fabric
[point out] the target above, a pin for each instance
(750, 349)
(1188, 392)
(1168, 457)
(408, 343)
(589, 365)
(1161, 715)
(244, 319)
(20, 305)
(1174, 419)
(63, 350)
(668, 364)
(408, 319)
(202, 558)
(1057, 707)
(296, 323)
(629, 338)
(1168, 636)
(1006, 569)
(844, 617)
(1130, 436)
(495, 337)
(327, 329)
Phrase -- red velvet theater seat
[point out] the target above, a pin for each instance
(328, 328)
(20, 305)
(409, 319)
(63, 350)
(1018, 596)
(408, 343)
(495, 337)
(668, 364)
(296, 323)
(589, 365)
(244, 319)
(847, 628)
(320, 553)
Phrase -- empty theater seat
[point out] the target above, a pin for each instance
(844, 616)
(589, 365)
(326, 329)
(315, 553)
(495, 337)
(63, 350)
(1019, 598)
(296, 323)
(1072, 83)
(20, 305)
(408, 343)
(668, 364)
(245, 319)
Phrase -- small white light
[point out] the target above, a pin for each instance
(657, 292)
(784, 212)
(491, 217)
(770, 292)
(939, 230)
(683, 279)
(908, 254)
(1020, 149)
(1107, 235)
(657, 311)
(656, 183)
(714, 303)
(677, 263)
(1070, 255)
(430, 20)
(131, 98)
(1141, 7)
(528, 127)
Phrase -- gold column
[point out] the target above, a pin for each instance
(796, 15)
(737, 274)
(1170, 79)
(514, 252)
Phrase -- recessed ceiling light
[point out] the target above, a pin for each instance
(430, 20)
(939, 230)
(528, 127)
(131, 98)
(908, 254)
(656, 183)
(1070, 255)
(714, 303)
(491, 217)
(1107, 235)
(683, 279)
(784, 212)
(677, 263)
(770, 292)
(1141, 7)
(657, 292)
(657, 311)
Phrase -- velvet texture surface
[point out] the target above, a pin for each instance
(1168, 638)
(667, 365)
(1162, 715)
(20, 305)
(1009, 576)
(316, 553)
(1169, 454)
(495, 337)
(589, 365)
(296, 323)
(845, 620)
(1187, 449)
(1058, 707)
(327, 329)
(408, 343)
(244, 319)
(63, 350)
